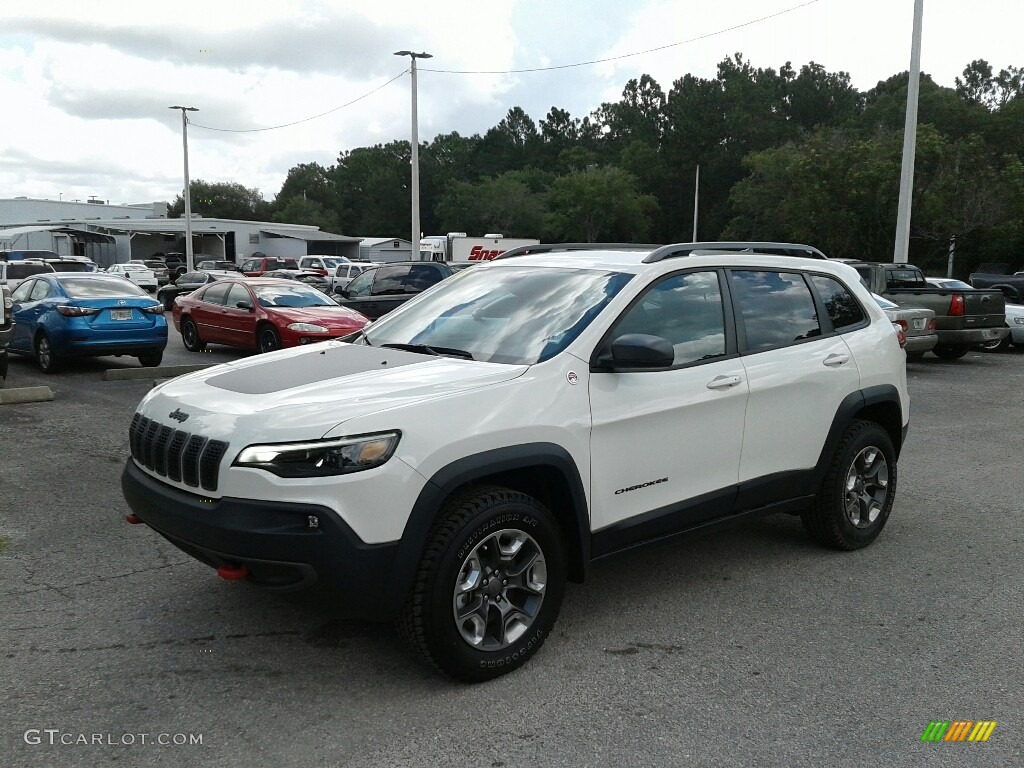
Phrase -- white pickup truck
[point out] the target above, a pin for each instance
(345, 273)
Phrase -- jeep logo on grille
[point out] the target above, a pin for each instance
(178, 415)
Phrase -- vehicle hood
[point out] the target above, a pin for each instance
(332, 317)
(306, 392)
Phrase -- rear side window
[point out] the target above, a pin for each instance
(421, 277)
(40, 291)
(776, 308)
(216, 293)
(842, 307)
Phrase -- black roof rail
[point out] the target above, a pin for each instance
(529, 250)
(777, 249)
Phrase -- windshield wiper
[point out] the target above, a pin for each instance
(423, 348)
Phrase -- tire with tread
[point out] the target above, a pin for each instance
(426, 621)
(267, 338)
(190, 335)
(826, 520)
(151, 359)
(950, 353)
(45, 356)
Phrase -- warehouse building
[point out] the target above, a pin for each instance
(387, 249)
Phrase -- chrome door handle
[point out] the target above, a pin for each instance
(835, 360)
(723, 382)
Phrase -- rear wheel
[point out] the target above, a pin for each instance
(190, 336)
(267, 339)
(151, 359)
(949, 352)
(489, 585)
(45, 356)
(856, 496)
(915, 355)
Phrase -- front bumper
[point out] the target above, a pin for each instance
(274, 540)
(972, 336)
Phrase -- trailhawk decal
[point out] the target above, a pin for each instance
(642, 485)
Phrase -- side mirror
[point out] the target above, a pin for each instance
(343, 292)
(244, 305)
(639, 350)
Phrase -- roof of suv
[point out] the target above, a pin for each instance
(639, 258)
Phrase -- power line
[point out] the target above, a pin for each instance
(305, 119)
(623, 56)
(513, 71)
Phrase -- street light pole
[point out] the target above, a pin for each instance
(188, 193)
(415, 151)
(901, 254)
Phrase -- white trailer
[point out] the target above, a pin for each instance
(456, 246)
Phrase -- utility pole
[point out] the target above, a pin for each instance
(901, 253)
(188, 193)
(415, 152)
(696, 196)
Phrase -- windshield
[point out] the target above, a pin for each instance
(293, 295)
(333, 262)
(517, 315)
(71, 266)
(100, 287)
(884, 303)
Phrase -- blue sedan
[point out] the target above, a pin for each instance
(72, 314)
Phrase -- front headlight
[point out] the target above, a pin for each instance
(306, 328)
(1019, 320)
(321, 458)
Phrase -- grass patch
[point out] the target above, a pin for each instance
(3, 544)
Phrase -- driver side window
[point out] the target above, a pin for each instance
(22, 292)
(360, 286)
(686, 310)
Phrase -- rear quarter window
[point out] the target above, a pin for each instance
(843, 309)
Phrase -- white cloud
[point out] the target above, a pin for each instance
(86, 95)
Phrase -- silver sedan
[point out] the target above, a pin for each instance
(917, 323)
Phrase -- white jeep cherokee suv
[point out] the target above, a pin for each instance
(452, 465)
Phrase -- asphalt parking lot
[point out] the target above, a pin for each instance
(749, 648)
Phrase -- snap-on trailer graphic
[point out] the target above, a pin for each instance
(457, 246)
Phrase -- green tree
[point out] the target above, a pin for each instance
(506, 204)
(222, 200)
(598, 204)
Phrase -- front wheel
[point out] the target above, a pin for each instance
(856, 496)
(267, 339)
(45, 356)
(151, 359)
(489, 585)
(950, 353)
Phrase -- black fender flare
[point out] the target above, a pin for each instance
(853, 404)
(467, 470)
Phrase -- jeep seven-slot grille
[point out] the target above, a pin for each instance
(177, 455)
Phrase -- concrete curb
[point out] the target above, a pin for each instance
(160, 372)
(25, 395)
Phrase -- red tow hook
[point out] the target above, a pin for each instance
(232, 572)
(132, 519)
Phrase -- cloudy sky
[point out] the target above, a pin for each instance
(85, 86)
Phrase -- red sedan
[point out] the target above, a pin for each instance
(262, 314)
